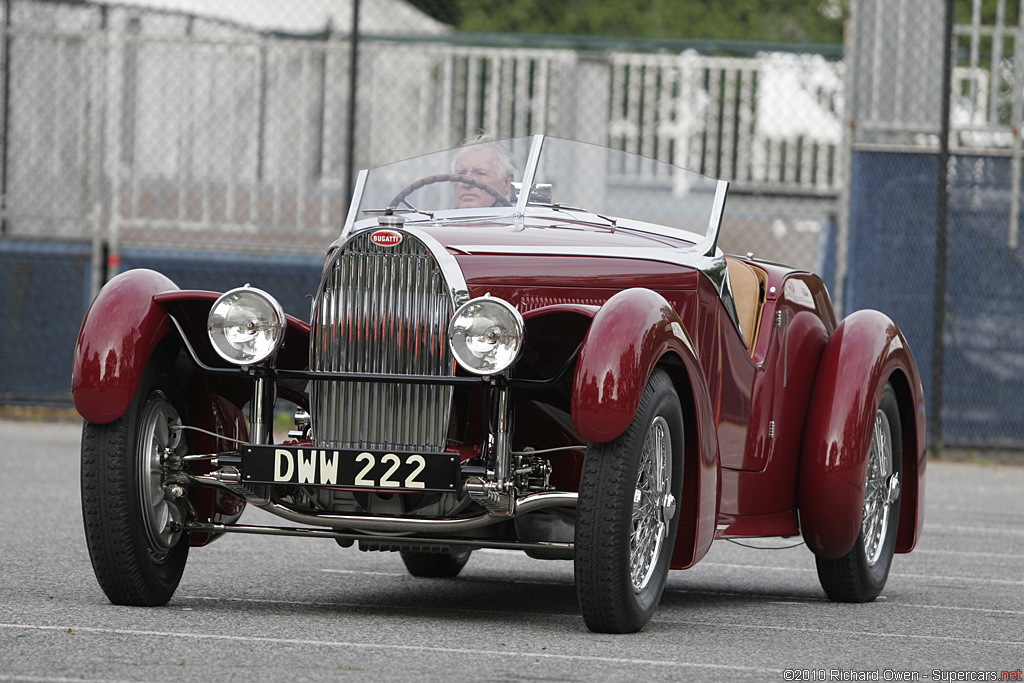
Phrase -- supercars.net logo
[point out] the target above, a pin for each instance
(386, 238)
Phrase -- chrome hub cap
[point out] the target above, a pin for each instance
(159, 437)
(653, 504)
(881, 492)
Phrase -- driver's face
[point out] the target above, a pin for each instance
(479, 163)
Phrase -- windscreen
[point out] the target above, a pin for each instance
(541, 174)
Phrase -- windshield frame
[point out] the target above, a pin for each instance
(705, 245)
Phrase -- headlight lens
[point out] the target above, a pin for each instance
(246, 325)
(486, 335)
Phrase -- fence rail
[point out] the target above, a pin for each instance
(150, 135)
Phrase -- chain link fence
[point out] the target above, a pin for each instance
(211, 139)
(931, 235)
(240, 125)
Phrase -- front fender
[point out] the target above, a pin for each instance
(627, 337)
(866, 351)
(120, 331)
(630, 334)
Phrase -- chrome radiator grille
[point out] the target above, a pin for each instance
(381, 310)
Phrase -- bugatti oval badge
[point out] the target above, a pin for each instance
(386, 238)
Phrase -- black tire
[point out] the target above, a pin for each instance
(435, 565)
(860, 575)
(133, 532)
(620, 577)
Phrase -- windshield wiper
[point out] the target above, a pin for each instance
(567, 208)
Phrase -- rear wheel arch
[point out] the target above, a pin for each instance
(673, 365)
(910, 506)
(701, 475)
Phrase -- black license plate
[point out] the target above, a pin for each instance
(350, 469)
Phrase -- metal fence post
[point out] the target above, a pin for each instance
(6, 116)
(849, 125)
(97, 148)
(1017, 114)
(353, 84)
(938, 342)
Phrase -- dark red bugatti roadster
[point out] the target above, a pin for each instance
(515, 344)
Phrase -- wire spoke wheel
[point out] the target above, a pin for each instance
(133, 524)
(159, 438)
(875, 520)
(627, 516)
(650, 527)
(861, 574)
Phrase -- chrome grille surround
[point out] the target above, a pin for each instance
(384, 309)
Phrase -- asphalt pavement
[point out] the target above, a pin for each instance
(252, 608)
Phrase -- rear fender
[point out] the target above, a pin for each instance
(866, 351)
(634, 331)
(119, 334)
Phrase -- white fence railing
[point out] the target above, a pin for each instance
(242, 134)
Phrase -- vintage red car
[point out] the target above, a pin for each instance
(515, 344)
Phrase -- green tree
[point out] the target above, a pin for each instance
(761, 20)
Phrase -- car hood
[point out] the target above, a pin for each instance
(564, 254)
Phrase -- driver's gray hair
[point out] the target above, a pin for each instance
(506, 162)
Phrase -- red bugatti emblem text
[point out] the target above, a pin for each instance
(386, 238)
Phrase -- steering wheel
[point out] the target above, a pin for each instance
(501, 199)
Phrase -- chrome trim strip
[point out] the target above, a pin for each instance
(717, 272)
(353, 207)
(709, 245)
(686, 258)
(453, 275)
(528, 174)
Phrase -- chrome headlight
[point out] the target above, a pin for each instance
(486, 335)
(246, 325)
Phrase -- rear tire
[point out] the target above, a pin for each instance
(133, 531)
(435, 565)
(627, 514)
(860, 574)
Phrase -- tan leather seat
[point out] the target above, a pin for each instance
(748, 285)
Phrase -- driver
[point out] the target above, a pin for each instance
(489, 162)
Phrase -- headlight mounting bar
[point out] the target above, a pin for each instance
(279, 373)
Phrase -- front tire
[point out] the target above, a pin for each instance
(627, 514)
(132, 528)
(860, 574)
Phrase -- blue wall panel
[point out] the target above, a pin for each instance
(44, 289)
(291, 279)
(44, 294)
(893, 227)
